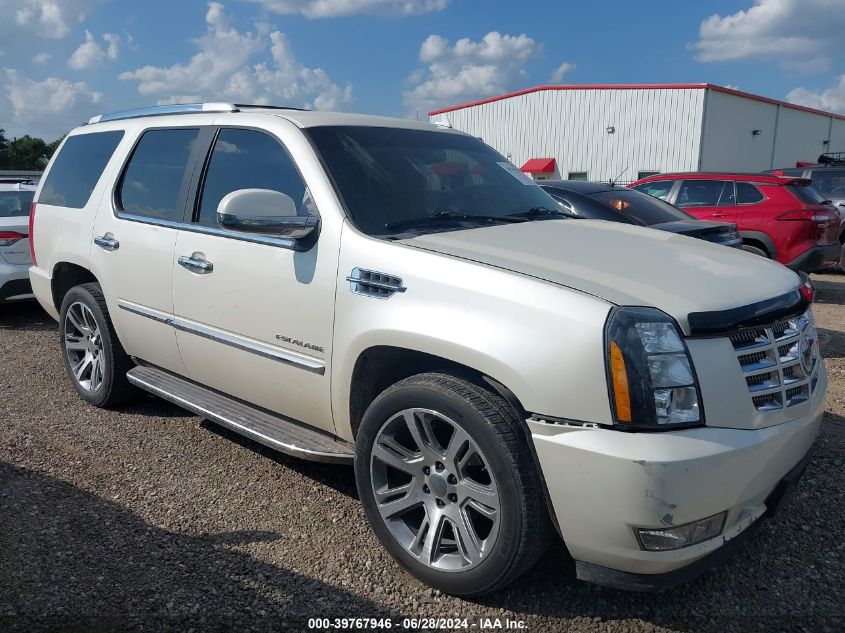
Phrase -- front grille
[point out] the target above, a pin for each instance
(780, 362)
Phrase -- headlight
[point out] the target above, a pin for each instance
(651, 378)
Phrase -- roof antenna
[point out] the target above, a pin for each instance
(613, 181)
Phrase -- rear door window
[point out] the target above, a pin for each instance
(658, 189)
(155, 181)
(76, 170)
(746, 193)
(705, 193)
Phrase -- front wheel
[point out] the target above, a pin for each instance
(449, 485)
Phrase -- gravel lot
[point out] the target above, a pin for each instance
(149, 518)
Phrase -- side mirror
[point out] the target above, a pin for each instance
(264, 212)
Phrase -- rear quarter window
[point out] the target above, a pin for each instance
(77, 168)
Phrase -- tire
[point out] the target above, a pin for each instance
(486, 457)
(88, 340)
(755, 250)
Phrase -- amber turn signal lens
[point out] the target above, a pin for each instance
(620, 383)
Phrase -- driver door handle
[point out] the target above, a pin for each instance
(107, 243)
(199, 266)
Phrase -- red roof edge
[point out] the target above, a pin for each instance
(704, 86)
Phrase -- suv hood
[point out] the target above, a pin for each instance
(622, 264)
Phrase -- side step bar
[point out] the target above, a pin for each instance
(262, 426)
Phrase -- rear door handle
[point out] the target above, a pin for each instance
(107, 243)
(199, 266)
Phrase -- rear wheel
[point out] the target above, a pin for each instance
(449, 485)
(93, 357)
(756, 250)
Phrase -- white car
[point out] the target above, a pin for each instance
(15, 202)
(399, 296)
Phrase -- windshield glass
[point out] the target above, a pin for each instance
(15, 203)
(640, 207)
(390, 177)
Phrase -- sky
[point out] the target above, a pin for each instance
(63, 61)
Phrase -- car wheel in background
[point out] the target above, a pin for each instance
(754, 249)
(93, 357)
(449, 485)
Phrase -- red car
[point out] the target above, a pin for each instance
(779, 217)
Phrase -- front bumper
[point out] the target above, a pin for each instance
(604, 483)
(817, 258)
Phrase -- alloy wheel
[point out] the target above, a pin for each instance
(84, 346)
(435, 490)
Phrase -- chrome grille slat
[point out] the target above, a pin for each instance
(774, 361)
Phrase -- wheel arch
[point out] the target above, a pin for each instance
(65, 276)
(760, 240)
(379, 366)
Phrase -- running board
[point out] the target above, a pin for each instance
(262, 426)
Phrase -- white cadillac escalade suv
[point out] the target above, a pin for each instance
(399, 296)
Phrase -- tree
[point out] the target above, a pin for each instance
(25, 153)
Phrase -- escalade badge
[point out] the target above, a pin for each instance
(293, 341)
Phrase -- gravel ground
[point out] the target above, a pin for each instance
(148, 518)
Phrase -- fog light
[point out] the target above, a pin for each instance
(663, 540)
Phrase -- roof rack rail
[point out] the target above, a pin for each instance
(161, 110)
(269, 107)
(832, 158)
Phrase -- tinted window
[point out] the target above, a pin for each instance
(642, 209)
(746, 193)
(703, 193)
(829, 182)
(399, 180)
(77, 168)
(807, 194)
(659, 189)
(247, 159)
(15, 203)
(577, 175)
(152, 184)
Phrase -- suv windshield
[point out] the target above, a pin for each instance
(640, 207)
(401, 180)
(15, 203)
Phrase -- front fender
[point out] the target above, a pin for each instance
(542, 341)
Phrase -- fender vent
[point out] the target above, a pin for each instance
(372, 284)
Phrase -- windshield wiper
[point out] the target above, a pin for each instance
(450, 216)
(533, 212)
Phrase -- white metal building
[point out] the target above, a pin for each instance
(624, 132)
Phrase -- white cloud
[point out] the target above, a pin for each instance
(222, 69)
(468, 70)
(46, 18)
(45, 108)
(41, 58)
(831, 99)
(90, 53)
(561, 71)
(335, 8)
(802, 34)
